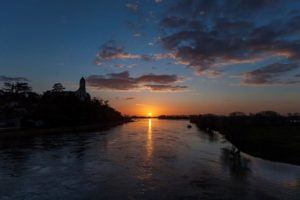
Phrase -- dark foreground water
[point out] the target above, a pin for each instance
(147, 159)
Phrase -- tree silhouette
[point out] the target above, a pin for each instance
(17, 88)
(58, 87)
(9, 87)
(22, 87)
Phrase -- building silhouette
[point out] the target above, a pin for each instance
(81, 92)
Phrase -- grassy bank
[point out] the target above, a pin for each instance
(280, 144)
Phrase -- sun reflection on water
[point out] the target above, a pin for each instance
(149, 145)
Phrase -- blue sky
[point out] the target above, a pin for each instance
(180, 57)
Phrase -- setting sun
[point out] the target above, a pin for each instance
(149, 114)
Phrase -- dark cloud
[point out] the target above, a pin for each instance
(120, 81)
(163, 79)
(11, 79)
(110, 51)
(297, 75)
(218, 8)
(173, 21)
(269, 74)
(206, 35)
(123, 75)
(123, 81)
(147, 57)
(169, 88)
(240, 25)
(129, 98)
(253, 4)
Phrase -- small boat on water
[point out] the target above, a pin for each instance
(189, 126)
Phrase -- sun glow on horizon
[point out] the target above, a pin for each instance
(149, 114)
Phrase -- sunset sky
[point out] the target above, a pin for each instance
(158, 56)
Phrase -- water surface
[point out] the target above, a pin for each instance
(147, 159)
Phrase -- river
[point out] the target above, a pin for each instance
(146, 159)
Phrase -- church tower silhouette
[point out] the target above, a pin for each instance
(81, 92)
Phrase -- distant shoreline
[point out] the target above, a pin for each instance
(15, 133)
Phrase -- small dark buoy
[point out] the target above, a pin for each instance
(189, 126)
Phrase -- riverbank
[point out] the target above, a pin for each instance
(16, 133)
(280, 144)
(270, 141)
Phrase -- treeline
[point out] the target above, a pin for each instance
(20, 107)
(240, 120)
